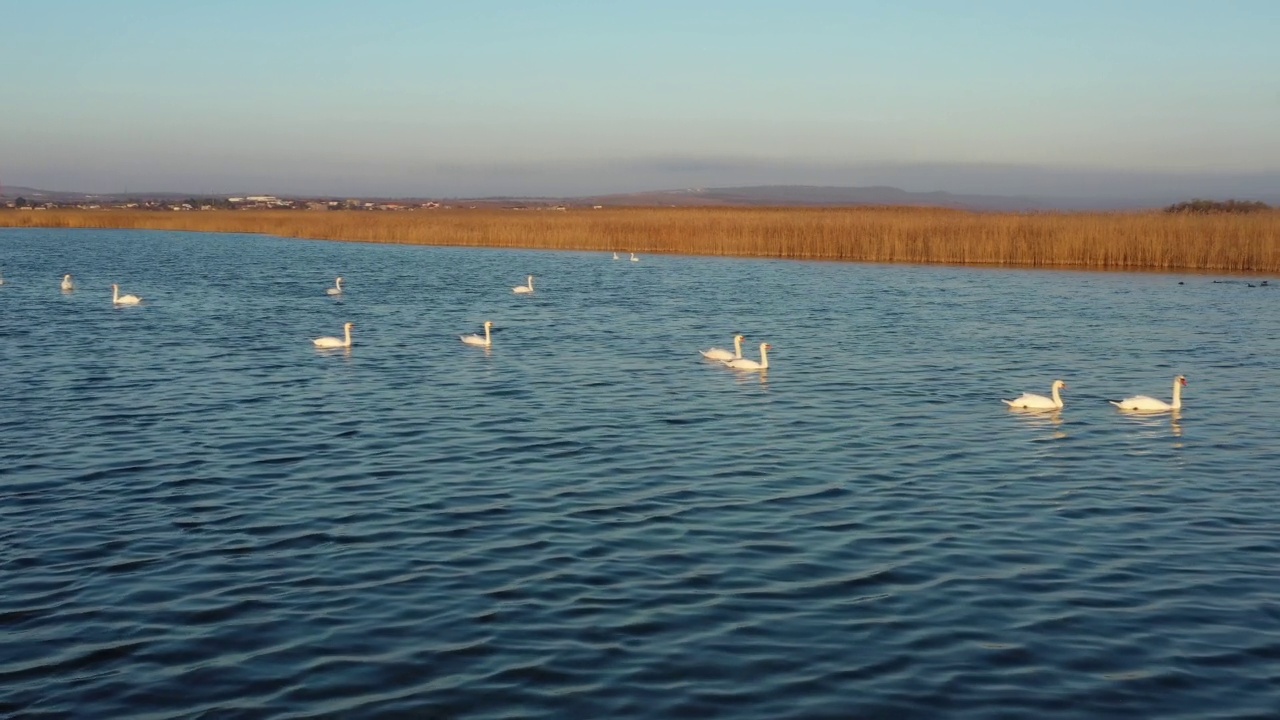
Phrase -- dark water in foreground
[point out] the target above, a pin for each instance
(203, 516)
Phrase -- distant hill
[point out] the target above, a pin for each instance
(809, 195)
(10, 192)
(828, 196)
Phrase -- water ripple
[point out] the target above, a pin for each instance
(203, 516)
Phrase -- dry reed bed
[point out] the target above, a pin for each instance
(1237, 243)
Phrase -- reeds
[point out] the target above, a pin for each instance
(1141, 240)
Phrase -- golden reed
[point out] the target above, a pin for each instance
(1138, 240)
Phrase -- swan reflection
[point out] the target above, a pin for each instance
(761, 377)
(342, 352)
(1047, 419)
(1155, 424)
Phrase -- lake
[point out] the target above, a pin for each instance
(204, 516)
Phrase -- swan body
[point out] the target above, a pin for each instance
(119, 299)
(634, 258)
(337, 287)
(1031, 401)
(722, 354)
(749, 364)
(67, 284)
(484, 341)
(524, 289)
(333, 342)
(1143, 403)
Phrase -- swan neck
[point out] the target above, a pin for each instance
(1177, 395)
(764, 358)
(1057, 399)
(737, 347)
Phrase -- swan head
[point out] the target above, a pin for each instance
(348, 326)
(739, 338)
(1059, 385)
(765, 346)
(1181, 380)
(66, 277)
(488, 324)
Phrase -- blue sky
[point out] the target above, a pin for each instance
(579, 97)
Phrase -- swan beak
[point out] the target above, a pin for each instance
(1184, 382)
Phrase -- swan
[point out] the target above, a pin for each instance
(337, 287)
(1031, 401)
(634, 258)
(524, 289)
(749, 364)
(1142, 403)
(722, 354)
(615, 256)
(486, 341)
(67, 284)
(333, 342)
(1, 278)
(119, 299)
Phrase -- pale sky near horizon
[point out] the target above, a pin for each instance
(584, 97)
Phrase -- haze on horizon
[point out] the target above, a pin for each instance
(578, 97)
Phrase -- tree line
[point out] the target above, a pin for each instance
(1204, 207)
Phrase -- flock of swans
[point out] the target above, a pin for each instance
(732, 359)
(1134, 404)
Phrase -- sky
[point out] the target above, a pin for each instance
(582, 97)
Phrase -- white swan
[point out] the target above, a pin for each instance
(524, 289)
(634, 258)
(749, 364)
(1142, 403)
(1031, 401)
(486, 341)
(615, 256)
(722, 354)
(119, 299)
(333, 342)
(337, 287)
(67, 284)
(1, 278)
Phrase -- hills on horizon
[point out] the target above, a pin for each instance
(745, 196)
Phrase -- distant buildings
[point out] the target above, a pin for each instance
(271, 202)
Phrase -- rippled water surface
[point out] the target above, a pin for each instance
(204, 516)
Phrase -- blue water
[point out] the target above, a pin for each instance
(201, 515)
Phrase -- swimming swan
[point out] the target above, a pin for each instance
(333, 342)
(722, 354)
(634, 258)
(486, 341)
(524, 289)
(337, 287)
(615, 256)
(749, 364)
(67, 284)
(1142, 403)
(1031, 401)
(119, 299)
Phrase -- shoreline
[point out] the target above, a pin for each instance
(1243, 244)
